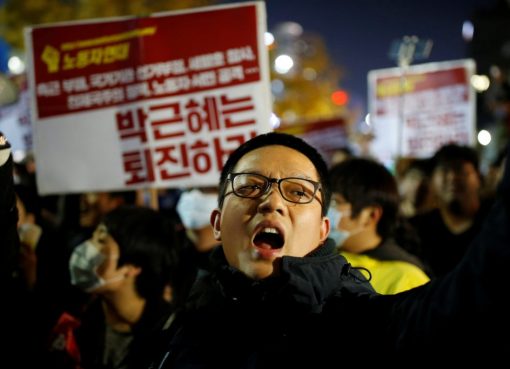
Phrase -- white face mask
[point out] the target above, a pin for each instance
(195, 207)
(83, 264)
(337, 234)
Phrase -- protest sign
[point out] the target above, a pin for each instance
(415, 111)
(146, 102)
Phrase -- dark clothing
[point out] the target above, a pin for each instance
(256, 320)
(388, 250)
(440, 249)
(17, 306)
(317, 313)
(9, 252)
(91, 342)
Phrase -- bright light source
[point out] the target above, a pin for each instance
(292, 29)
(283, 63)
(340, 97)
(274, 120)
(16, 65)
(467, 30)
(268, 38)
(367, 119)
(480, 82)
(484, 137)
(18, 155)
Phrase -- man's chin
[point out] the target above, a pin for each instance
(262, 268)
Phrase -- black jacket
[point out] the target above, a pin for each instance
(90, 335)
(16, 308)
(231, 321)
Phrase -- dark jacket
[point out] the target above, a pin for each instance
(9, 252)
(89, 334)
(16, 308)
(440, 249)
(231, 321)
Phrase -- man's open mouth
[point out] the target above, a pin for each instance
(269, 237)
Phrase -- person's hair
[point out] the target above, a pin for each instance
(453, 152)
(146, 239)
(364, 182)
(281, 139)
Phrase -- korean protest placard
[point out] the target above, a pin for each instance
(157, 101)
(414, 113)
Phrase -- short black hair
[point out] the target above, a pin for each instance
(282, 139)
(146, 239)
(365, 182)
(452, 152)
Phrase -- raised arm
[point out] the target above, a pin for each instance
(466, 312)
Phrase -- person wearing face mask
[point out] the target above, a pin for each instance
(194, 208)
(364, 216)
(130, 268)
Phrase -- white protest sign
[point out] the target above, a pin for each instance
(157, 101)
(415, 113)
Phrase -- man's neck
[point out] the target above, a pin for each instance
(459, 217)
(362, 242)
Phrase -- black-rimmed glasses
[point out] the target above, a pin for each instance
(293, 189)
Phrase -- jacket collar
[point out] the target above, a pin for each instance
(308, 280)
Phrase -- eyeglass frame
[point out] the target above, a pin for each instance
(269, 182)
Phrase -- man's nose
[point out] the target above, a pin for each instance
(272, 198)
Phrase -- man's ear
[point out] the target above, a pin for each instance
(325, 228)
(370, 215)
(216, 224)
(375, 214)
(131, 270)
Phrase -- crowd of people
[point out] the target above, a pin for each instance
(287, 262)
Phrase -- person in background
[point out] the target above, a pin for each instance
(364, 216)
(106, 201)
(194, 208)
(29, 233)
(84, 211)
(416, 195)
(278, 294)
(17, 306)
(44, 259)
(446, 231)
(129, 267)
